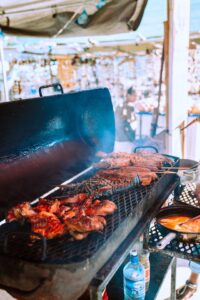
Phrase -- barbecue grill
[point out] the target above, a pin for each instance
(46, 141)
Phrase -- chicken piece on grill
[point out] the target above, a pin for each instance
(51, 206)
(47, 224)
(101, 208)
(76, 199)
(85, 224)
(20, 211)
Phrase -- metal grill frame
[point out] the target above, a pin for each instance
(140, 200)
(177, 248)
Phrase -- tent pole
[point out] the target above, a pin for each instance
(3, 68)
(179, 17)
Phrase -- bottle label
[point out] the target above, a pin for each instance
(134, 289)
(147, 274)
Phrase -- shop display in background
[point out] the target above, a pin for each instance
(113, 69)
(65, 72)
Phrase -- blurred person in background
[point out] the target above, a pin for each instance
(126, 123)
(187, 290)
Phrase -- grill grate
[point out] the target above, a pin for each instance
(16, 242)
(190, 251)
(132, 202)
(187, 196)
(187, 250)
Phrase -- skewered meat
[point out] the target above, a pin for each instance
(146, 154)
(47, 224)
(113, 163)
(128, 172)
(142, 159)
(125, 176)
(20, 211)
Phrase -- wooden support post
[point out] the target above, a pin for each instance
(177, 89)
(5, 85)
(166, 61)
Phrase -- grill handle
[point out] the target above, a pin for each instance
(165, 241)
(53, 85)
(145, 147)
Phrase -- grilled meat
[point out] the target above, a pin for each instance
(125, 176)
(113, 163)
(100, 208)
(48, 206)
(82, 213)
(20, 211)
(153, 161)
(76, 199)
(77, 215)
(47, 224)
(85, 224)
(136, 156)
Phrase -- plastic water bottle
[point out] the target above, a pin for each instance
(134, 278)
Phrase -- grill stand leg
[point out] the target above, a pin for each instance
(93, 293)
(173, 280)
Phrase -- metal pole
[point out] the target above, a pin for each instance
(3, 68)
(173, 280)
(179, 21)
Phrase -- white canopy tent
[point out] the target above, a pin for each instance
(55, 18)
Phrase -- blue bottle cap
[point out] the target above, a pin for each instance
(133, 253)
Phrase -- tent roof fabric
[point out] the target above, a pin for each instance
(52, 18)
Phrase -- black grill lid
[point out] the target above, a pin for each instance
(47, 140)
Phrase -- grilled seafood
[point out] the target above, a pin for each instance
(191, 225)
(182, 223)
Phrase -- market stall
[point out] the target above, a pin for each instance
(71, 207)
